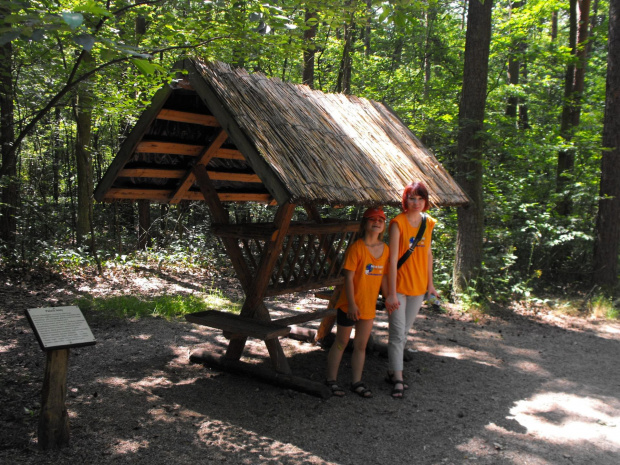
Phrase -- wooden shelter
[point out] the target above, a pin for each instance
(220, 135)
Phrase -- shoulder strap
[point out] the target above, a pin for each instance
(417, 239)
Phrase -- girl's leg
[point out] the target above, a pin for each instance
(410, 306)
(337, 349)
(362, 334)
(397, 335)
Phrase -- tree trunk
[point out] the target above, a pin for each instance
(470, 142)
(8, 179)
(344, 75)
(144, 224)
(573, 90)
(309, 48)
(83, 118)
(607, 239)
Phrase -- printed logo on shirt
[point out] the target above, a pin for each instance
(374, 270)
(419, 244)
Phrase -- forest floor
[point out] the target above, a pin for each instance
(520, 385)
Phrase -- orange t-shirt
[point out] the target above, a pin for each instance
(368, 273)
(412, 277)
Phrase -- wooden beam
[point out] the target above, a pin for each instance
(177, 174)
(171, 148)
(203, 159)
(229, 154)
(128, 147)
(187, 117)
(272, 182)
(163, 195)
(151, 173)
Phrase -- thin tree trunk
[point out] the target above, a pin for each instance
(344, 75)
(573, 92)
(144, 224)
(8, 181)
(83, 117)
(470, 143)
(607, 238)
(309, 48)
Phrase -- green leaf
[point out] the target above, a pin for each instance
(86, 41)
(8, 37)
(73, 20)
(145, 66)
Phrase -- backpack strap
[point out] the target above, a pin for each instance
(417, 239)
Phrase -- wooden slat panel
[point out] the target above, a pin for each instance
(237, 177)
(187, 117)
(231, 197)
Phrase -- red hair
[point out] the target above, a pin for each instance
(416, 188)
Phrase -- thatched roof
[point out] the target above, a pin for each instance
(280, 143)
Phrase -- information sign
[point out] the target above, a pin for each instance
(60, 327)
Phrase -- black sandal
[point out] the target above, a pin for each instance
(336, 390)
(361, 390)
(389, 378)
(397, 393)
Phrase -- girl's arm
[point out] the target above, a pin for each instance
(431, 286)
(391, 301)
(353, 313)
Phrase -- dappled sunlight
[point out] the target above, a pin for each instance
(565, 417)
(460, 353)
(230, 438)
(142, 337)
(128, 446)
(532, 368)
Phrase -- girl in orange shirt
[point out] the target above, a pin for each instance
(407, 284)
(365, 266)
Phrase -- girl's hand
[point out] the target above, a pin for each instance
(354, 312)
(391, 303)
(431, 290)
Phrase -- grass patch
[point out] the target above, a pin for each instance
(165, 306)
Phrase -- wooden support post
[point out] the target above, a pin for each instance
(54, 421)
(253, 306)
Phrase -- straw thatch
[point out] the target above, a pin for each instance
(303, 145)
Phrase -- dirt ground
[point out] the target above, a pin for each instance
(520, 386)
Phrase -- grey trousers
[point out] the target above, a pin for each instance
(401, 321)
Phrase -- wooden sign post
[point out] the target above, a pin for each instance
(57, 329)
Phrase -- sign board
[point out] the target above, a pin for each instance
(60, 327)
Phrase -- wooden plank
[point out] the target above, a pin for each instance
(159, 173)
(304, 285)
(287, 381)
(129, 144)
(305, 317)
(239, 326)
(203, 160)
(273, 184)
(237, 177)
(162, 173)
(325, 295)
(251, 230)
(163, 195)
(229, 154)
(187, 117)
(171, 148)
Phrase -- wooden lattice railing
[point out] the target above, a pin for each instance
(312, 254)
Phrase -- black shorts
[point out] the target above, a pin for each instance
(343, 320)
